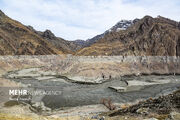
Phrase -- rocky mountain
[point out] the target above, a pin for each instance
(148, 36)
(18, 39)
(141, 37)
(121, 25)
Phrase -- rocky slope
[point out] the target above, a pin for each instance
(68, 47)
(161, 105)
(149, 36)
(18, 39)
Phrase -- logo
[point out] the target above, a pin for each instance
(18, 92)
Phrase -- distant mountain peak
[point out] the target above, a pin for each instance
(122, 25)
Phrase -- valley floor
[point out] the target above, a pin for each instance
(82, 91)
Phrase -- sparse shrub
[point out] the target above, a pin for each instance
(11, 103)
(108, 103)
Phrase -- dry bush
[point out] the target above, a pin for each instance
(108, 103)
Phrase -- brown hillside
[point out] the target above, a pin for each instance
(67, 47)
(17, 39)
(149, 36)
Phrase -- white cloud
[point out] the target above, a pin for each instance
(83, 19)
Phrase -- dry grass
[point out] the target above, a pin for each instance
(22, 117)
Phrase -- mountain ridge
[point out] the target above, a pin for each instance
(148, 36)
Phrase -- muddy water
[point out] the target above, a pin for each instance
(74, 94)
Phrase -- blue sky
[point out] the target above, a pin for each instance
(83, 19)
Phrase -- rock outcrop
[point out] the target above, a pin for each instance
(48, 34)
(161, 105)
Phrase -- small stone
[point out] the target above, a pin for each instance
(102, 118)
(151, 119)
(95, 117)
(175, 116)
(142, 111)
(40, 106)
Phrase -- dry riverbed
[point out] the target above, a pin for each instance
(82, 86)
(86, 96)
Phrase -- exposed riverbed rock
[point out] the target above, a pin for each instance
(116, 66)
(96, 69)
(39, 107)
(175, 116)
